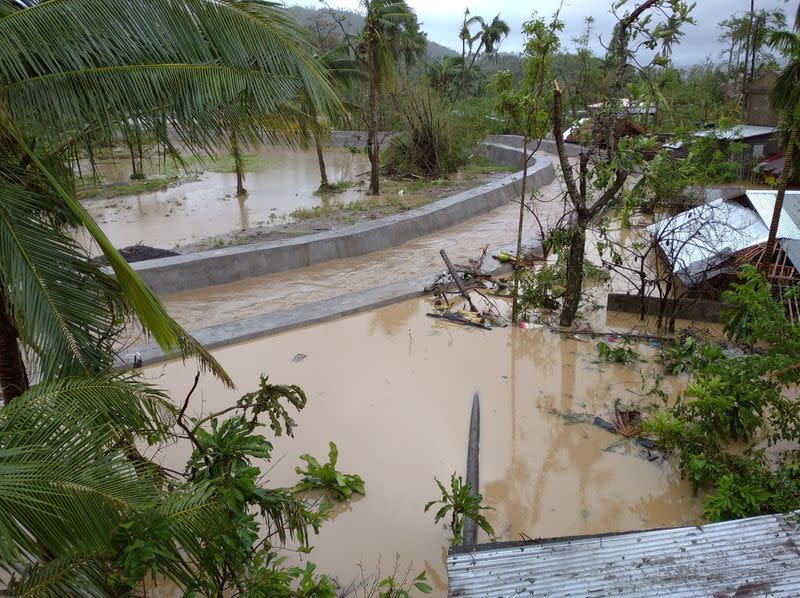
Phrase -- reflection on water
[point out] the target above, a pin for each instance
(393, 389)
(285, 180)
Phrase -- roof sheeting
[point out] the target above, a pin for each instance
(764, 203)
(696, 242)
(749, 557)
(737, 132)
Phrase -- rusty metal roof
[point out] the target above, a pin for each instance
(752, 557)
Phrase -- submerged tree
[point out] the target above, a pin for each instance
(604, 169)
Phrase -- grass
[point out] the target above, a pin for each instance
(224, 163)
(400, 195)
(97, 190)
(333, 188)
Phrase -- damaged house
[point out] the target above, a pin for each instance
(706, 246)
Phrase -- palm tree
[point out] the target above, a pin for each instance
(342, 70)
(488, 37)
(672, 34)
(73, 76)
(390, 30)
(76, 75)
(785, 100)
(444, 73)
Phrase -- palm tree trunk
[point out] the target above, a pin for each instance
(323, 174)
(13, 376)
(372, 134)
(238, 166)
(788, 157)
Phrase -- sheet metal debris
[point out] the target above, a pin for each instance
(752, 557)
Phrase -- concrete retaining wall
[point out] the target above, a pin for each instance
(547, 145)
(703, 310)
(231, 264)
(284, 320)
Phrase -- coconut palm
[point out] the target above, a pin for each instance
(73, 75)
(342, 70)
(488, 37)
(390, 31)
(444, 73)
(785, 100)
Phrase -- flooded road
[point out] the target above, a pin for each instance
(213, 305)
(393, 389)
(278, 181)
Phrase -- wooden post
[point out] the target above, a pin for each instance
(470, 535)
(457, 279)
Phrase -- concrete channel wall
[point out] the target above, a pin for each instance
(700, 310)
(547, 145)
(231, 264)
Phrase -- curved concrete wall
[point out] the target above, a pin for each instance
(221, 266)
(547, 145)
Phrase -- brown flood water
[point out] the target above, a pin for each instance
(259, 294)
(393, 389)
(285, 180)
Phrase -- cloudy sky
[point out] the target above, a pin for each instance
(442, 18)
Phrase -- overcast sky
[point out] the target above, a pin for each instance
(442, 19)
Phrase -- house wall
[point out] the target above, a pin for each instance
(758, 109)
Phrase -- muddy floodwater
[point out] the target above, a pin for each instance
(281, 181)
(393, 389)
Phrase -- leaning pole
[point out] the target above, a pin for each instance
(470, 536)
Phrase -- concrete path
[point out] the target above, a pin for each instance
(210, 306)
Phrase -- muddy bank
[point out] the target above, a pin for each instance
(393, 389)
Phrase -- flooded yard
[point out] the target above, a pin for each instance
(278, 180)
(393, 389)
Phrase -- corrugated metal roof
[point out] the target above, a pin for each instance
(737, 132)
(792, 249)
(764, 203)
(749, 557)
(697, 241)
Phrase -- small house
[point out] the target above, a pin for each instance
(707, 245)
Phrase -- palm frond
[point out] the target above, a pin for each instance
(78, 575)
(148, 309)
(54, 292)
(66, 64)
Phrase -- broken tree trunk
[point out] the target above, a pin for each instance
(454, 273)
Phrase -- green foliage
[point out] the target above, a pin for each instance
(389, 587)
(689, 355)
(540, 289)
(741, 399)
(623, 353)
(426, 145)
(462, 502)
(340, 485)
(267, 400)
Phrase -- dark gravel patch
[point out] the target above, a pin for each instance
(139, 253)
